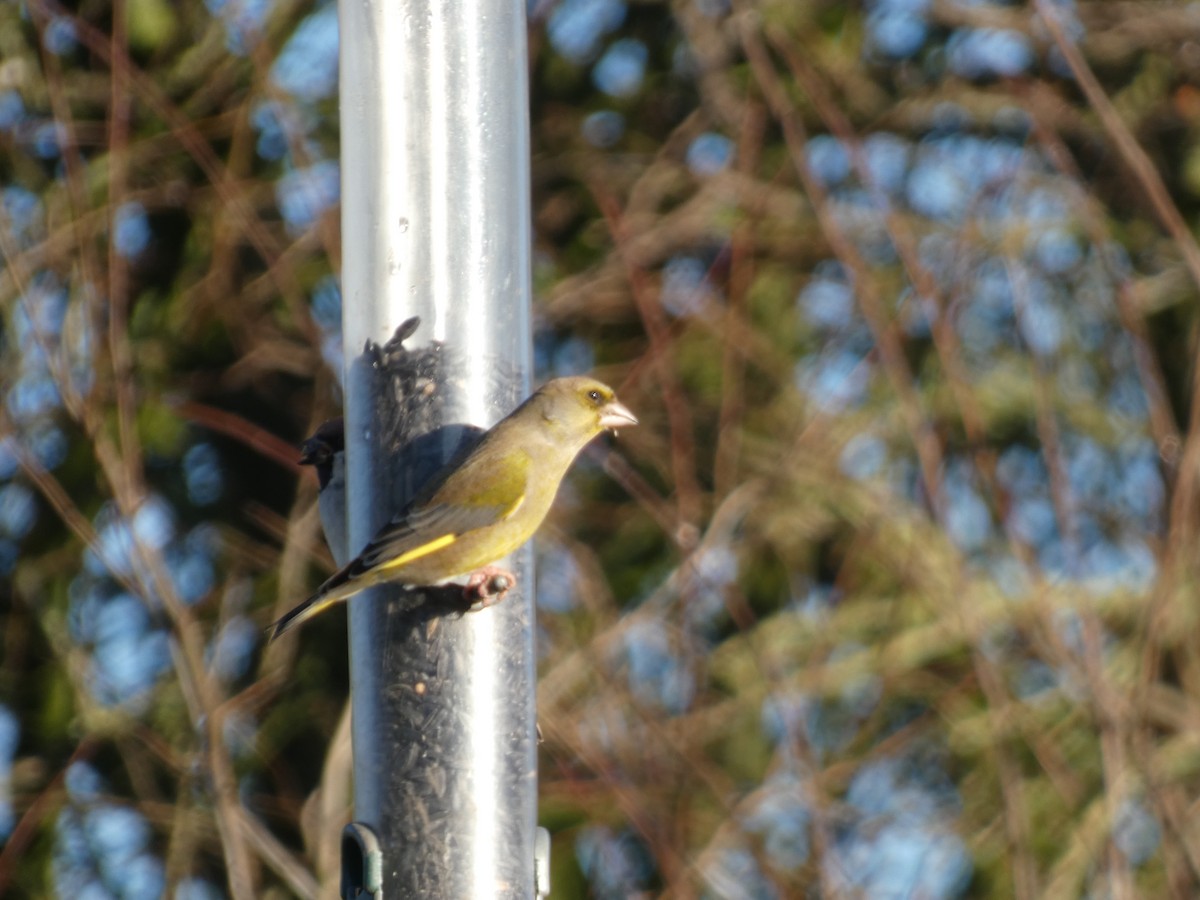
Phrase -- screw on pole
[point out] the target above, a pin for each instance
(542, 862)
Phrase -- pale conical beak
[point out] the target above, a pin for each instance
(615, 415)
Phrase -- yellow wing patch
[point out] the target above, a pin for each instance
(418, 552)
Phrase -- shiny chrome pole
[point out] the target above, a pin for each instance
(435, 224)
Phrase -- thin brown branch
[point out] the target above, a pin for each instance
(883, 331)
(1183, 524)
(682, 437)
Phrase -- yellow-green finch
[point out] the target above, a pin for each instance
(485, 504)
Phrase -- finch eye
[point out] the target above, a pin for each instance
(594, 396)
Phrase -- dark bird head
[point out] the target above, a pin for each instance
(319, 450)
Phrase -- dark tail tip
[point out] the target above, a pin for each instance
(284, 624)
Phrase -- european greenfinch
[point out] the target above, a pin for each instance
(486, 503)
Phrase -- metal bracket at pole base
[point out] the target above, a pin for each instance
(541, 871)
(362, 863)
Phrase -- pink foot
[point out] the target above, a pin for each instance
(487, 586)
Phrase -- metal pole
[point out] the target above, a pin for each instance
(436, 224)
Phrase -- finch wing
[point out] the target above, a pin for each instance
(473, 497)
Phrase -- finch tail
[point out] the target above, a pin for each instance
(340, 586)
